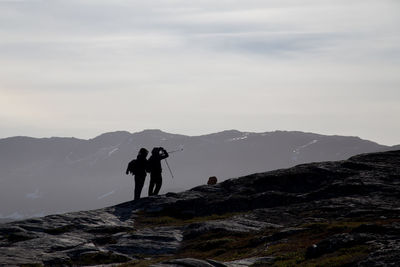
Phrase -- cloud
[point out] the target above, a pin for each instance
(84, 67)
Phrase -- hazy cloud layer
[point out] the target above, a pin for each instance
(84, 67)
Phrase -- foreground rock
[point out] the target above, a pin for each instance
(328, 213)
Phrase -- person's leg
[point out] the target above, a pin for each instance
(158, 184)
(139, 182)
(151, 185)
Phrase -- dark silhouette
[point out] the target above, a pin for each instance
(155, 170)
(138, 168)
(212, 180)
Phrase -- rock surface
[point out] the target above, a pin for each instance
(345, 212)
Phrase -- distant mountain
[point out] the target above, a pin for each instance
(51, 175)
(395, 147)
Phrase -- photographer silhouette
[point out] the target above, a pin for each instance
(155, 169)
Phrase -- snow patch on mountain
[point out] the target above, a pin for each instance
(101, 154)
(242, 137)
(106, 195)
(296, 151)
(34, 195)
(113, 151)
(73, 161)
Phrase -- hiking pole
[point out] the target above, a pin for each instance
(169, 168)
(173, 151)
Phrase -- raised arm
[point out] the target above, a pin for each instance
(164, 154)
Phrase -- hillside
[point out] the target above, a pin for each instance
(53, 175)
(328, 213)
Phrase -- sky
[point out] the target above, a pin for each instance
(84, 67)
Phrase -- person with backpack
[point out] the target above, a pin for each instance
(155, 170)
(138, 167)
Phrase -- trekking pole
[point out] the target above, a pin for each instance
(169, 168)
(177, 150)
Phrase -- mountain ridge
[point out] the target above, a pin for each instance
(159, 131)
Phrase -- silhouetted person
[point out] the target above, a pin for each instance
(154, 167)
(138, 168)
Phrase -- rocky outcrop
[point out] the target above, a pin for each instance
(345, 212)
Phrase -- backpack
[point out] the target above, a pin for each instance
(131, 167)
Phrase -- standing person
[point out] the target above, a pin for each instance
(138, 168)
(154, 167)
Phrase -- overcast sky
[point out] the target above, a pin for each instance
(84, 67)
